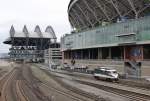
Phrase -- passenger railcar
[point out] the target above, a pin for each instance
(106, 74)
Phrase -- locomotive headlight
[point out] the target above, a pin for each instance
(116, 75)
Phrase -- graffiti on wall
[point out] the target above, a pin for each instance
(133, 53)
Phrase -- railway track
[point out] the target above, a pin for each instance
(19, 85)
(67, 94)
(6, 85)
(64, 93)
(27, 81)
(4, 78)
(93, 97)
(11, 88)
(132, 96)
(20, 93)
(133, 85)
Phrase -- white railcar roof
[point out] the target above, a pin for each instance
(106, 68)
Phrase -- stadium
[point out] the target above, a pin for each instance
(108, 32)
(30, 45)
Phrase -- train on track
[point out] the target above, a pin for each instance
(105, 73)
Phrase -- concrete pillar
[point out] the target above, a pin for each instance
(99, 53)
(124, 49)
(66, 55)
(89, 54)
(142, 50)
(122, 52)
(69, 54)
(110, 53)
(81, 54)
(63, 57)
(92, 54)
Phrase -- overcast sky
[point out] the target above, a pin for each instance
(31, 13)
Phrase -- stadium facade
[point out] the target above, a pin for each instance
(106, 32)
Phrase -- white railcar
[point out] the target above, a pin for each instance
(106, 74)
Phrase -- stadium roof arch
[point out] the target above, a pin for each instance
(84, 14)
(37, 34)
(49, 33)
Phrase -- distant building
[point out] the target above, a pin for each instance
(4, 56)
(30, 46)
(53, 55)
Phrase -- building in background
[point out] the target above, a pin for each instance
(30, 46)
(108, 32)
(53, 55)
(4, 56)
